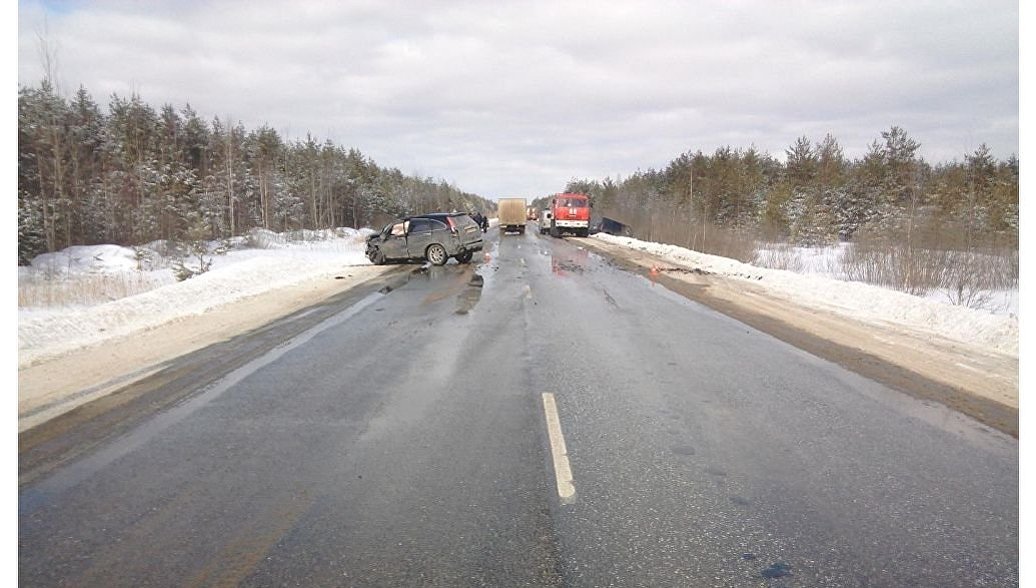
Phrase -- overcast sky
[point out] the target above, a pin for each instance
(516, 98)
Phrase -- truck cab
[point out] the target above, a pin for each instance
(570, 214)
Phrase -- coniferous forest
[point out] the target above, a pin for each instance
(132, 174)
(913, 225)
(817, 195)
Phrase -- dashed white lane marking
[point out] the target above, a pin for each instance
(562, 469)
(528, 291)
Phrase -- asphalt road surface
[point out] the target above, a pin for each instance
(537, 418)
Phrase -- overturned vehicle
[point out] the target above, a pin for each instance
(435, 237)
(612, 227)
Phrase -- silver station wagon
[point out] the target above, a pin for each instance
(435, 237)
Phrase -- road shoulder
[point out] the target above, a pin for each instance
(982, 385)
(57, 385)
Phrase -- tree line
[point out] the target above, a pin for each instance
(817, 196)
(135, 174)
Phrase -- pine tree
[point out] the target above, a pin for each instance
(802, 164)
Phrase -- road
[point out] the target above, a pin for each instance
(398, 436)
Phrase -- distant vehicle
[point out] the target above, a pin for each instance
(571, 214)
(530, 214)
(545, 217)
(511, 213)
(435, 237)
(612, 227)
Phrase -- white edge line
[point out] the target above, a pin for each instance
(78, 471)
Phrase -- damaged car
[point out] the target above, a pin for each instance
(433, 237)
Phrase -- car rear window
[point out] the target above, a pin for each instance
(463, 220)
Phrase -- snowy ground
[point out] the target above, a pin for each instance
(827, 262)
(146, 292)
(863, 302)
(148, 295)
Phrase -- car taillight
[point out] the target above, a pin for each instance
(453, 225)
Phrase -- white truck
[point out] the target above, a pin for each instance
(545, 217)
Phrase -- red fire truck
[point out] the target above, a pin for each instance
(570, 213)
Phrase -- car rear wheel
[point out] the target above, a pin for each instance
(464, 257)
(436, 254)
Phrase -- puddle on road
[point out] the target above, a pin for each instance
(739, 500)
(777, 570)
(404, 279)
(467, 299)
(572, 261)
(683, 450)
(442, 282)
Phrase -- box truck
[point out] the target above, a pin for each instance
(511, 213)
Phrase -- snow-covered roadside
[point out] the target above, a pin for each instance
(266, 261)
(242, 272)
(828, 262)
(863, 302)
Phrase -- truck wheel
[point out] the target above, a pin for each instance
(464, 257)
(554, 232)
(436, 254)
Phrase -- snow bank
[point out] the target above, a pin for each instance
(87, 259)
(264, 260)
(241, 272)
(864, 302)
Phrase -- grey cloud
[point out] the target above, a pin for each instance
(515, 97)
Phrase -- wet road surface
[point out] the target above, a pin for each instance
(413, 434)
